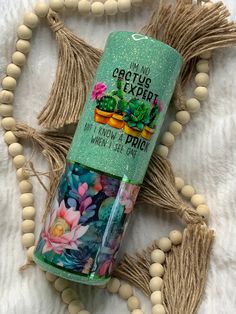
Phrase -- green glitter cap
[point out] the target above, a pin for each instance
(126, 106)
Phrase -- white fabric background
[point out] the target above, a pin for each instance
(204, 155)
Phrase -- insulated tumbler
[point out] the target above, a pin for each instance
(108, 158)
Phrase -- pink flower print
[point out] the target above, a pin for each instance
(62, 230)
(83, 188)
(85, 201)
(106, 267)
(99, 90)
(128, 195)
(155, 102)
(161, 106)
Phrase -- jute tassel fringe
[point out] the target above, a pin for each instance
(186, 265)
(54, 147)
(191, 29)
(77, 64)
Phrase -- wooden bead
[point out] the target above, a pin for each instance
(183, 117)
(133, 303)
(113, 285)
(25, 186)
(125, 291)
(111, 7)
(75, 306)
(71, 4)
(164, 244)
(158, 256)
(68, 295)
(158, 309)
(31, 20)
(156, 269)
(50, 277)
(175, 128)
(19, 161)
(179, 183)
(124, 5)
(209, 5)
(24, 32)
(27, 226)
(18, 58)
(197, 199)
(102, 286)
(6, 110)
(6, 97)
(97, 9)
(175, 237)
(8, 123)
(202, 66)
(61, 284)
(9, 83)
(28, 212)
(187, 191)
(41, 9)
(168, 139)
(13, 70)
(84, 312)
(156, 297)
(26, 199)
(21, 174)
(202, 79)
(30, 253)
(136, 3)
(23, 46)
(15, 149)
(56, 5)
(162, 150)
(192, 105)
(201, 93)
(206, 55)
(156, 284)
(10, 138)
(28, 240)
(204, 211)
(84, 7)
(137, 311)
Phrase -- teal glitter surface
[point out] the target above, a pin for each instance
(112, 150)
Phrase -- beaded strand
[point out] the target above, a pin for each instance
(9, 83)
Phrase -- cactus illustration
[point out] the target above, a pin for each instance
(137, 114)
(154, 113)
(122, 103)
(107, 103)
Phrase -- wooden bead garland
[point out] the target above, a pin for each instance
(125, 291)
(192, 105)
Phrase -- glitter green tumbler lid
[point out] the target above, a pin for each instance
(126, 106)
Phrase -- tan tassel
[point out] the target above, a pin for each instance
(186, 270)
(54, 147)
(186, 265)
(77, 64)
(191, 29)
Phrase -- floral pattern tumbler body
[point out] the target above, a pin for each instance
(108, 158)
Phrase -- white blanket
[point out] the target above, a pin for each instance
(204, 155)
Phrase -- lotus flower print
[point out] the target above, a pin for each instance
(99, 91)
(62, 230)
(128, 195)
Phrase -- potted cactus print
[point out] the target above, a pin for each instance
(136, 117)
(116, 121)
(149, 129)
(105, 103)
